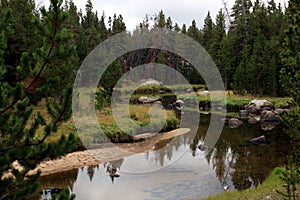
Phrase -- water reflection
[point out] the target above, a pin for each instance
(233, 163)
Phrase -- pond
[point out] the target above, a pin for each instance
(233, 163)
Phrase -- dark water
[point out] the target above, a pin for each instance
(181, 170)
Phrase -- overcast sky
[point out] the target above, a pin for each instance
(134, 11)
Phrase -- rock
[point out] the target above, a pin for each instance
(269, 116)
(234, 123)
(259, 140)
(261, 103)
(170, 106)
(280, 110)
(202, 147)
(146, 82)
(203, 93)
(243, 114)
(114, 175)
(190, 90)
(253, 109)
(252, 120)
(158, 103)
(145, 100)
(226, 187)
(267, 126)
(178, 104)
(270, 197)
(53, 190)
(267, 108)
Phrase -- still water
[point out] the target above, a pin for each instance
(180, 170)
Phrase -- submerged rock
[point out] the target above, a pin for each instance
(252, 120)
(259, 140)
(202, 147)
(179, 104)
(267, 126)
(234, 123)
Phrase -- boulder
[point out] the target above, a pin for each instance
(147, 82)
(178, 104)
(269, 116)
(145, 100)
(243, 114)
(253, 109)
(234, 123)
(267, 126)
(259, 140)
(202, 147)
(252, 120)
(203, 93)
(190, 90)
(261, 103)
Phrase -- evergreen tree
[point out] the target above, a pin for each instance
(20, 39)
(183, 29)
(160, 20)
(290, 73)
(169, 23)
(194, 32)
(118, 25)
(176, 28)
(20, 140)
(207, 31)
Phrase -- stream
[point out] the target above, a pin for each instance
(233, 163)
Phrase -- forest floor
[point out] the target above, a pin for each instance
(108, 152)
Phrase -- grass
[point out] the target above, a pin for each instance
(138, 113)
(267, 189)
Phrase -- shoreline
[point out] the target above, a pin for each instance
(108, 152)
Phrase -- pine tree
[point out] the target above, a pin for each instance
(183, 29)
(290, 73)
(207, 32)
(20, 39)
(194, 32)
(160, 20)
(20, 141)
(118, 25)
(169, 23)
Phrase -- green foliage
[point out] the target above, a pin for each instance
(22, 148)
(290, 79)
(290, 176)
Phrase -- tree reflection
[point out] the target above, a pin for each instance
(234, 160)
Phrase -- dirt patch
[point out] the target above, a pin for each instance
(105, 153)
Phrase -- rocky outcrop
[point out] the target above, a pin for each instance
(262, 111)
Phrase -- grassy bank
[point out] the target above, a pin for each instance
(138, 113)
(267, 190)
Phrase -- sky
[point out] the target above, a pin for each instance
(180, 11)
